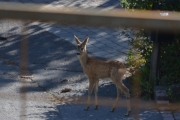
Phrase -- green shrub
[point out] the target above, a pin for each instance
(170, 63)
(148, 4)
(139, 57)
(140, 52)
(172, 96)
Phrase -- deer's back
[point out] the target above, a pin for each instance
(102, 69)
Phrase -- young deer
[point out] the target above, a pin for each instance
(97, 69)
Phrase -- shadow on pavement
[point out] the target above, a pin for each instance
(105, 3)
(76, 112)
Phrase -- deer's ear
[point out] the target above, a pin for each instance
(77, 40)
(86, 40)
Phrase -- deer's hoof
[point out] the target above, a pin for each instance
(86, 109)
(127, 114)
(113, 110)
(96, 107)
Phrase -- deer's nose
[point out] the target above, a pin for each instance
(77, 53)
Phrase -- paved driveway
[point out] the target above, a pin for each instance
(52, 61)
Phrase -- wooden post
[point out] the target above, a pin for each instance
(154, 60)
(23, 70)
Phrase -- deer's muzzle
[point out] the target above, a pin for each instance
(77, 53)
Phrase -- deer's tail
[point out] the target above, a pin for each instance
(131, 69)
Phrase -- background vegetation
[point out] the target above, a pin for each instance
(140, 53)
(151, 4)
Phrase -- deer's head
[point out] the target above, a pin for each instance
(81, 46)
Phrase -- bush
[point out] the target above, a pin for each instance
(140, 52)
(151, 4)
(139, 57)
(169, 63)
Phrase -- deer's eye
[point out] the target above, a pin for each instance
(78, 47)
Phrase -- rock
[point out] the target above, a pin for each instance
(65, 90)
(64, 80)
(176, 89)
(160, 94)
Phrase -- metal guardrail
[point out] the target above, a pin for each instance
(164, 20)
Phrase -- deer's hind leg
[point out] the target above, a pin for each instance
(126, 92)
(119, 92)
(116, 77)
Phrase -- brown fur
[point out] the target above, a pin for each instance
(96, 69)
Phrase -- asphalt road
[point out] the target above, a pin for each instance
(19, 100)
(54, 66)
(53, 63)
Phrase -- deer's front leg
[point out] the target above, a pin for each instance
(91, 85)
(96, 94)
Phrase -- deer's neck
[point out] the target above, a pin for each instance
(83, 60)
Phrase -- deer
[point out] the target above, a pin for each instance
(96, 69)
